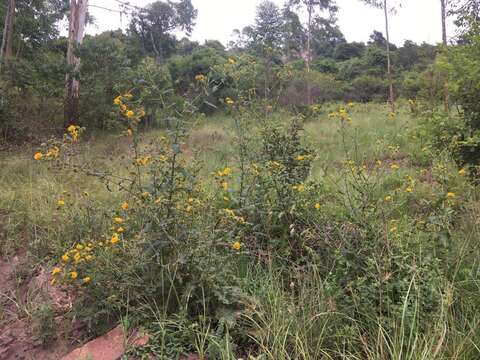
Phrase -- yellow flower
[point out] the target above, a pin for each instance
(227, 171)
(388, 198)
(229, 101)
(123, 107)
(301, 157)
(74, 275)
(65, 257)
(229, 212)
(409, 190)
(394, 167)
(451, 195)
(189, 208)
(60, 202)
(88, 257)
(144, 160)
(130, 114)
(117, 100)
(299, 188)
(318, 206)
(77, 257)
(72, 129)
(236, 246)
(125, 205)
(79, 247)
(38, 156)
(225, 185)
(115, 239)
(56, 271)
(120, 230)
(200, 77)
(119, 220)
(462, 172)
(86, 279)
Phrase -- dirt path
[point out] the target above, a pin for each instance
(16, 338)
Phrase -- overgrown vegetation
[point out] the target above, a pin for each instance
(244, 203)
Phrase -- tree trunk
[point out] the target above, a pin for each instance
(76, 26)
(6, 47)
(446, 95)
(391, 96)
(309, 53)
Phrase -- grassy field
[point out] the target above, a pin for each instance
(376, 258)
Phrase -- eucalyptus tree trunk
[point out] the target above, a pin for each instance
(76, 31)
(391, 96)
(446, 95)
(6, 47)
(309, 52)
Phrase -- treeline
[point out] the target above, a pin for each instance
(280, 58)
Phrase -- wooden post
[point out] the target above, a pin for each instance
(6, 47)
(76, 31)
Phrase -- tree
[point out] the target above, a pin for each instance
(384, 5)
(377, 39)
(466, 13)
(326, 36)
(36, 24)
(267, 32)
(294, 36)
(155, 24)
(6, 46)
(443, 6)
(76, 30)
(313, 8)
(346, 51)
(267, 36)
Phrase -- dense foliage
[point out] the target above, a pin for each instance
(259, 201)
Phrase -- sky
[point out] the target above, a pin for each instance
(417, 20)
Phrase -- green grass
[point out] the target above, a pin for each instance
(296, 312)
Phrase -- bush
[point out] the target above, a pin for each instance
(368, 88)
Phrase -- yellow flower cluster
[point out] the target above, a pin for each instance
(221, 176)
(229, 101)
(341, 114)
(73, 131)
(299, 187)
(134, 115)
(302, 157)
(70, 260)
(200, 78)
(231, 214)
(225, 172)
(191, 202)
(144, 160)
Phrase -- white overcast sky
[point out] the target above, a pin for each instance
(417, 20)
